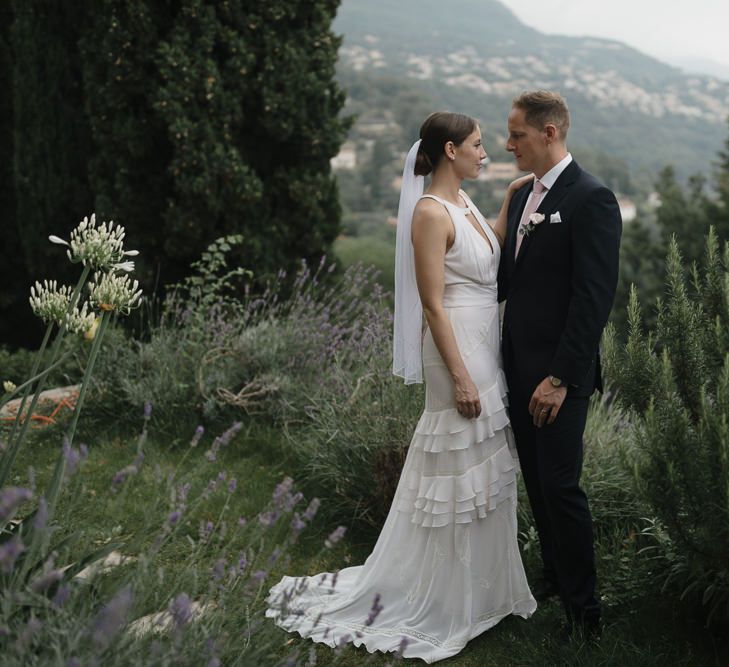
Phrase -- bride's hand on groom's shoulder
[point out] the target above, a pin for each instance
(519, 182)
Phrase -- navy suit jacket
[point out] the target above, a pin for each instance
(560, 289)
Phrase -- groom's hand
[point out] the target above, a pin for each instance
(546, 402)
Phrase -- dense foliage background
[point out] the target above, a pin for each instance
(183, 121)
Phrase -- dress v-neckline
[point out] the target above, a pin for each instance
(485, 236)
(465, 210)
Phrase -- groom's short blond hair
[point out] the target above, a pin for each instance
(543, 107)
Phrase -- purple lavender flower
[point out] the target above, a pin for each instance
(242, 563)
(9, 552)
(196, 438)
(182, 492)
(259, 575)
(181, 610)
(267, 519)
(335, 536)
(49, 577)
(119, 477)
(147, 409)
(401, 649)
(212, 454)
(312, 509)
(374, 611)
(72, 457)
(83, 450)
(10, 498)
(73, 662)
(206, 530)
(228, 435)
(297, 525)
(294, 500)
(242, 522)
(173, 518)
(127, 471)
(282, 492)
(112, 617)
(41, 516)
(275, 555)
(232, 485)
(214, 662)
(219, 569)
(62, 595)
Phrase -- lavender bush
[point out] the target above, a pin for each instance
(214, 354)
(207, 610)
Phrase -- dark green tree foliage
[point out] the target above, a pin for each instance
(719, 209)
(13, 303)
(52, 140)
(214, 118)
(683, 213)
(129, 169)
(642, 262)
(675, 380)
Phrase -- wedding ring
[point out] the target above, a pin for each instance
(545, 410)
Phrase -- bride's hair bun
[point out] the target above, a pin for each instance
(436, 131)
(423, 165)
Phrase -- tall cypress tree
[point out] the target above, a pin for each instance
(17, 326)
(52, 137)
(216, 117)
(129, 171)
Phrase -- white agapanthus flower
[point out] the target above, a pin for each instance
(9, 386)
(80, 320)
(51, 302)
(113, 292)
(101, 246)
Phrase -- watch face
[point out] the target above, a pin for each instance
(556, 382)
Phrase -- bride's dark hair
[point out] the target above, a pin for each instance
(438, 129)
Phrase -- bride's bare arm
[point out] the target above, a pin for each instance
(500, 224)
(431, 230)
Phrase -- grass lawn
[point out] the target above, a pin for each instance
(648, 632)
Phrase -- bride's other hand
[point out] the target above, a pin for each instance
(467, 400)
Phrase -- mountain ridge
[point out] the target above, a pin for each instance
(475, 55)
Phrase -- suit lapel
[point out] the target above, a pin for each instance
(548, 205)
(512, 229)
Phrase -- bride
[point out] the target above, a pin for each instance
(446, 566)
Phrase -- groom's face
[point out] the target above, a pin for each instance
(527, 143)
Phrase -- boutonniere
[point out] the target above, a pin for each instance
(528, 227)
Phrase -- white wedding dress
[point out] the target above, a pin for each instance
(446, 564)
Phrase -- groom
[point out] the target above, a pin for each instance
(558, 274)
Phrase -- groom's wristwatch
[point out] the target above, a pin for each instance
(556, 382)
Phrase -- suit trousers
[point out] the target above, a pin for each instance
(551, 462)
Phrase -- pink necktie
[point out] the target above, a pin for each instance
(532, 205)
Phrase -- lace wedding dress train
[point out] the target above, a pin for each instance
(446, 565)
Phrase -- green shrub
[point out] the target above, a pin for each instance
(674, 380)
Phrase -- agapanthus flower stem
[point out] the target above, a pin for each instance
(58, 474)
(16, 439)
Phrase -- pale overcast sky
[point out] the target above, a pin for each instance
(672, 30)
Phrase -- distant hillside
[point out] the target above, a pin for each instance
(475, 55)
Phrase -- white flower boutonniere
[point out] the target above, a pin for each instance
(534, 220)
